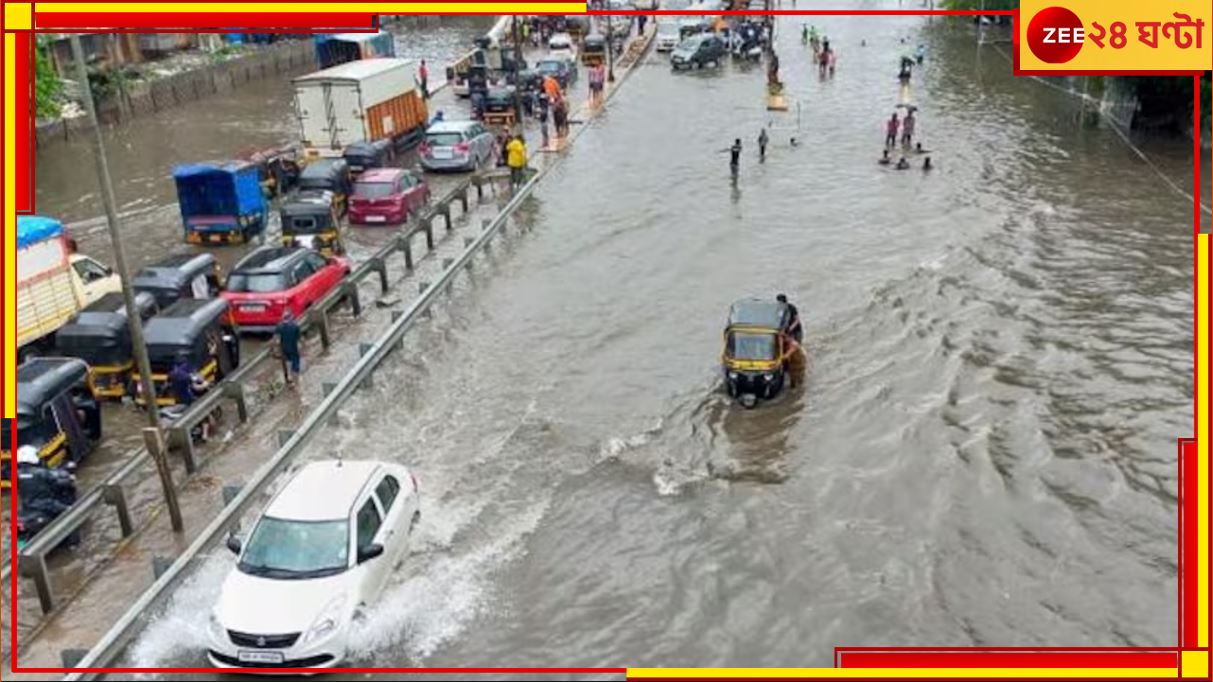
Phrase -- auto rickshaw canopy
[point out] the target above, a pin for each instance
(184, 327)
(332, 174)
(41, 380)
(100, 334)
(308, 212)
(177, 277)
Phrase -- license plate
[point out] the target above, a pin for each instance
(376, 219)
(252, 307)
(259, 656)
(441, 153)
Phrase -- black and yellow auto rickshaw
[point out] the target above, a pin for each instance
(57, 413)
(594, 50)
(279, 169)
(199, 329)
(331, 174)
(362, 155)
(100, 336)
(758, 351)
(186, 275)
(309, 219)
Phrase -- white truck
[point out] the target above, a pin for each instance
(53, 284)
(365, 100)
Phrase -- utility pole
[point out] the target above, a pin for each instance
(610, 48)
(517, 73)
(151, 434)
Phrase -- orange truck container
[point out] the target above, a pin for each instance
(364, 100)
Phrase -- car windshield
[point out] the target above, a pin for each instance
(667, 29)
(255, 283)
(443, 139)
(294, 550)
(743, 346)
(547, 67)
(688, 45)
(373, 190)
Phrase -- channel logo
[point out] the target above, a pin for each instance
(1055, 35)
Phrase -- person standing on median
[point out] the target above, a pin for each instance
(516, 152)
(288, 343)
(423, 77)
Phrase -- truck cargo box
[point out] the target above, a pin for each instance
(365, 100)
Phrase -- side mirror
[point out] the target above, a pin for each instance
(233, 544)
(369, 552)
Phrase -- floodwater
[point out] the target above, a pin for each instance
(1001, 361)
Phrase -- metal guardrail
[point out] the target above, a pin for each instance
(177, 436)
(118, 636)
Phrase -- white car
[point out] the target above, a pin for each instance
(669, 34)
(560, 46)
(319, 553)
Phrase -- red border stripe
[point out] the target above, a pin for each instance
(1007, 659)
(23, 113)
(215, 20)
(1189, 571)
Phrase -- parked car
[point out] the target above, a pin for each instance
(563, 70)
(318, 555)
(698, 51)
(265, 282)
(387, 195)
(456, 145)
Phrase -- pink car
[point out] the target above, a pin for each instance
(387, 195)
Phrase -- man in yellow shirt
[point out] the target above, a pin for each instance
(516, 160)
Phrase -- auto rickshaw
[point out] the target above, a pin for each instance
(758, 351)
(279, 169)
(198, 328)
(100, 335)
(57, 413)
(309, 219)
(362, 156)
(594, 50)
(185, 275)
(332, 174)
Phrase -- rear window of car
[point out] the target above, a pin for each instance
(373, 190)
(444, 139)
(256, 283)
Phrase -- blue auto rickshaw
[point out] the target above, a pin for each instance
(221, 203)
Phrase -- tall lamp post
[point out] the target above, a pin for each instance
(610, 49)
(151, 434)
(517, 73)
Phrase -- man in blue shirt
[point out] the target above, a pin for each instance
(288, 340)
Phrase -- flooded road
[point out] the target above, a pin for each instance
(1000, 362)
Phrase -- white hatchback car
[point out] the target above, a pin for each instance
(321, 551)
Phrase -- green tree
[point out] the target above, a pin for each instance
(48, 88)
(991, 5)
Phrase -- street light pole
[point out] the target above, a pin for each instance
(133, 320)
(517, 73)
(610, 49)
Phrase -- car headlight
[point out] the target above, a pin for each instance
(768, 377)
(328, 620)
(732, 375)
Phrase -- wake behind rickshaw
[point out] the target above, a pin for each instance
(758, 351)
(198, 329)
(100, 336)
(309, 219)
(57, 413)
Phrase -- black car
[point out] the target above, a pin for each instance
(562, 70)
(698, 51)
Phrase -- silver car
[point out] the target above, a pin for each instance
(456, 145)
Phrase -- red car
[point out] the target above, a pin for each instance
(266, 281)
(387, 195)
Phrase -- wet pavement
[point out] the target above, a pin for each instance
(984, 454)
